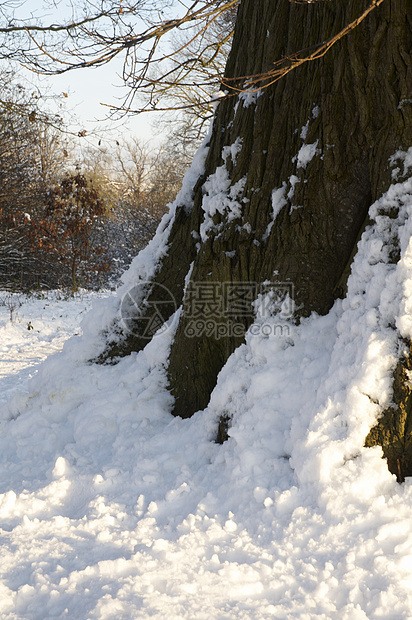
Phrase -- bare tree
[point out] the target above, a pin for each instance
(331, 75)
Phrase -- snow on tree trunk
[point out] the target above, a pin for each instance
(289, 177)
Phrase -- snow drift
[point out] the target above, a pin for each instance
(112, 508)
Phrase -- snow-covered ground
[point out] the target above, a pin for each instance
(32, 328)
(112, 508)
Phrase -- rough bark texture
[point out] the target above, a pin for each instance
(356, 104)
(394, 429)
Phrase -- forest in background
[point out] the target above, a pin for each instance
(70, 219)
(73, 217)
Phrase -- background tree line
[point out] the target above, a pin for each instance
(70, 219)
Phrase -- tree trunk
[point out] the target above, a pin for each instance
(349, 103)
(314, 147)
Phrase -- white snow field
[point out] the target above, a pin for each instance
(112, 508)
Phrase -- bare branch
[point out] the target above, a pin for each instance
(286, 65)
(181, 79)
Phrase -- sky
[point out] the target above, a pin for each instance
(88, 89)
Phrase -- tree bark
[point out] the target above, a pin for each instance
(350, 102)
(351, 110)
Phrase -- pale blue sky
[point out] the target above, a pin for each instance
(88, 89)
